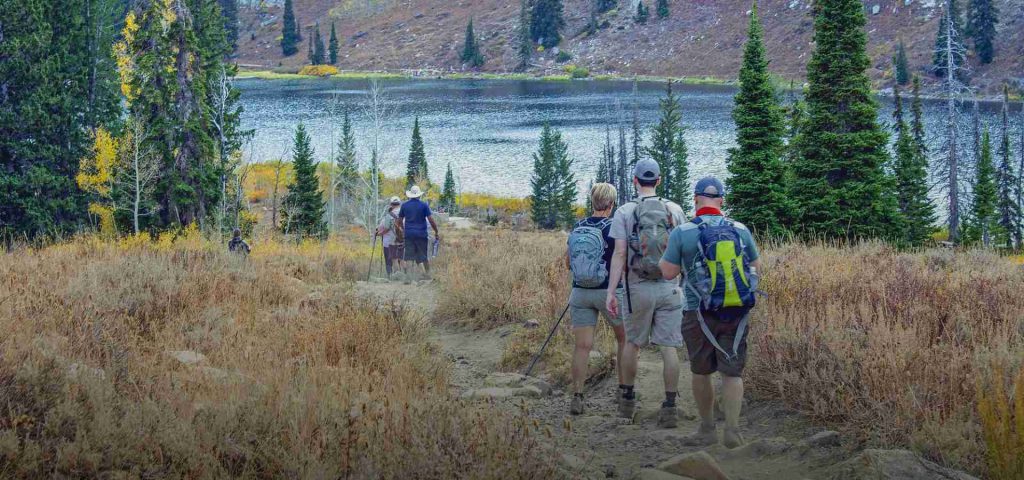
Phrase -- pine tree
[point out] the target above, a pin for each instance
(982, 17)
(1009, 209)
(525, 49)
(638, 140)
(416, 170)
(642, 13)
(316, 44)
(948, 30)
(839, 183)
(757, 193)
(668, 148)
(332, 48)
(663, 11)
(553, 183)
(304, 202)
(448, 198)
(229, 10)
(899, 62)
(917, 128)
(610, 161)
(911, 177)
(348, 167)
(605, 5)
(983, 211)
(546, 22)
(289, 31)
(471, 50)
(625, 173)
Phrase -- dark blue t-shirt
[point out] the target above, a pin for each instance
(609, 243)
(415, 213)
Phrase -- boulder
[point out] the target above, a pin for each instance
(516, 380)
(652, 474)
(531, 324)
(698, 466)
(892, 465)
(757, 449)
(186, 357)
(827, 438)
(499, 392)
(875, 10)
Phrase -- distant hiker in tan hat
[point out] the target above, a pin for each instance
(391, 235)
(413, 217)
(589, 255)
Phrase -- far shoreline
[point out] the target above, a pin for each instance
(264, 74)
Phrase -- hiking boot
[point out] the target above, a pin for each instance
(706, 435)
(668, 417)
(732, 437)
(577, 407)
(627, 407)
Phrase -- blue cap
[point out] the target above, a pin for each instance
(647, 169)
(710, 187)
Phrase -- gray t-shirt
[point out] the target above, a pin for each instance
(683, 250)
(624, 220)
(387, 226)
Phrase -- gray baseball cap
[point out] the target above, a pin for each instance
(647, 169)
(709, 187)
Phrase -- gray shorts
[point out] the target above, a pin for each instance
(585, 304)
(656, 316)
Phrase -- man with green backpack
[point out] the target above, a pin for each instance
(653, 305)
(719, 259)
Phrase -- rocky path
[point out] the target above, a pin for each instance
(780, 444)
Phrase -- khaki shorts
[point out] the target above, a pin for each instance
(585, 304)
(705, 359)
(655, 314)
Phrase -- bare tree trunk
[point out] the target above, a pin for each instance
(954, 193)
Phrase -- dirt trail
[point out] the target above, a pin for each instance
(781, 444)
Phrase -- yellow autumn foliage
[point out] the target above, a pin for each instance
(96, 172)
(319, 70)
(125, 60)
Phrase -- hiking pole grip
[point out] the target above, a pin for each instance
(541, 351)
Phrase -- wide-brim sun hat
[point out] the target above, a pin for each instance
(395, 201)
(414, 192)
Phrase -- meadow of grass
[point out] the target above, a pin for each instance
(892, 348)
(301, 377)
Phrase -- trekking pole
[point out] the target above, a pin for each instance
(552, 334)
(373, 252)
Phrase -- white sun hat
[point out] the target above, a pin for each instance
(414, 192)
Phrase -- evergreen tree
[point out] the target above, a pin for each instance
(982, 17)
(1009, 209)
(416, 170)
(638, 148)
(642, 13)
(546, 22)
(663, 11)
(625, 173)
(668, 148)
(899, 62)
(525, 49)
(332, 48)
(348, 167)
(911, 172)
(917, 129)
(229, 10)
(304, 203)
(610, 161)
(316, 45)
(605, 5)
(553, 183)
(289, 31)
(948, 30)
(839, 183)
(757, 192)
(471, 50)
(448, 199)
(983, 213)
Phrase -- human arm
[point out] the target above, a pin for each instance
(672, 260)
(615, 275)
(433, 225)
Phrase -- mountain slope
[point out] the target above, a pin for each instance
(701, 38)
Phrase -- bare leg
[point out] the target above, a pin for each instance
(732, 400)
(581, 357)
(620, 338)
(670, 370)
(630, 359)
(704, 394)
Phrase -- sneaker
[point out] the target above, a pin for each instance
(577, 407)
(732, 438)
(668, 417)
(705, 436)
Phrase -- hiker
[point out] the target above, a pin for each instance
(589, 253)
(413, 217)
(391, 236)
(653, 305)
(237, 245)
(715, 319)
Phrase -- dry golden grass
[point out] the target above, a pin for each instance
(887, 346)
(301, 379)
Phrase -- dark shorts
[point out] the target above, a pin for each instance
(415, 249)
(705, 359)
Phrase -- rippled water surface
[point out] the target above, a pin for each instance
(489, 129)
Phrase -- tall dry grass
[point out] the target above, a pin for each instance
(301, 378)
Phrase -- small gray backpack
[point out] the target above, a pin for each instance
(652, 224)
(586, 255)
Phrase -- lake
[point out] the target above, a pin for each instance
(488, 130)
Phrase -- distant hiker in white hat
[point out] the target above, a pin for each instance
(391, 235)
(413, 217)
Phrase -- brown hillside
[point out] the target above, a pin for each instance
(701, 38)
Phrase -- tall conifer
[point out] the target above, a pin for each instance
(553, 183)
(948, 32)
(332, 46)
(911, 177)
(289, 36)
(668, 148)
(448, 198)
(1009, 209)
(546, 22)
(524, 50)
(839, 183)
(416, 168)
(304, 203)
(984, 213)
(982, 17)
(757, 193)
(662, 9)
(470, 49)
(899, 63)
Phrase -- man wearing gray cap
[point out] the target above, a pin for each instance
(719, 259)
(653, 305)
